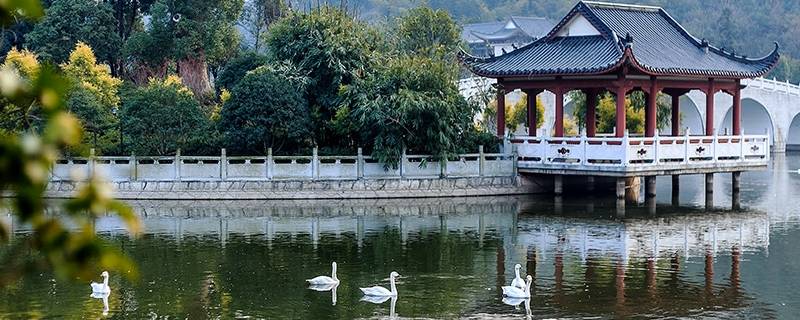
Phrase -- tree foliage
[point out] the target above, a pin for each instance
(266, 110)
(257, 16)
(195, 34)
(163, 117)
(428, 32)
(517, 114)
(333, 49)
(635, 103)
(84, 70)
(24, 67)
(409, 101)
(69, 21)
(235, 70)
(607, 115)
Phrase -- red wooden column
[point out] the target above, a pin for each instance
(531, 96)
(737, 110)
(710, 107)
(676, 114)
(621, 127)
(559, 123)
(501, 111)
(591, 115)
(650, 110)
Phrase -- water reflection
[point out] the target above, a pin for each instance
(326, 287)
(104, 298)
(249, 259)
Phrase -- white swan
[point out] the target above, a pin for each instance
(514, 292)
(101, 287)
(320, 280)
(518, 282)
(381, 291)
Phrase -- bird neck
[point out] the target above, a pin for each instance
(333, 273)
(105, 281)
(392, 286)
(516, 272)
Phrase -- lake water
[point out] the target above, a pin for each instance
(225, 260)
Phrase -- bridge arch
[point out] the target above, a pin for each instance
(793, 139)
(756, 119)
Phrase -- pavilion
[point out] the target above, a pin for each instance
(618, 48)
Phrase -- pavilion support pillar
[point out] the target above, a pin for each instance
(736, 178)
(650, 110)
(650, 186)
(709, 190)
(559, 121)
(710, 107)
(620, 188)
(558, 184)
(620, 112)
(676, 190)
(590, 183)
(532, 116)
(591, 112)
(501, 111)
(737, 110)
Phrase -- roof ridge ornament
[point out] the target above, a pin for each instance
(704, 44)
(628, 40)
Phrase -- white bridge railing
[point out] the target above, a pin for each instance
(773, 85)
(636, 153)
(265, 168)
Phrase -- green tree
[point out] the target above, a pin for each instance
(409, 101)
(192, 33)
(517, 114)
(163, 117)
(333, 48)
(25, 160)
(607, 115)
(69, 21)
(428, 32)
(266, 110)
(235, 70)
(636, 101)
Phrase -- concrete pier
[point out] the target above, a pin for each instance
(736, 178)
(650, 187)
(709, 177)
(558, 184)
(676, 190)
(620, 188)
(590, 183)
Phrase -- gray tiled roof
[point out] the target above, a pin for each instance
(657, 44)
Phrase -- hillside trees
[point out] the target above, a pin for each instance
(191, 33)
(69, 21)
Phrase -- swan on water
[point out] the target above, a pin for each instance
(319, 280)
(514, 292)
(518, 282)
(101, 287)
(381, 291)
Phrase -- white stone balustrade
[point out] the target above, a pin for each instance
(640, 154)
(265, 168)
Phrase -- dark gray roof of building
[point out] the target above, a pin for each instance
(528, 27)
(645, 36)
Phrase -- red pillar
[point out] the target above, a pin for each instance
(501, 111)
(620, 128)
(676, 114)
(559, 124)
(531, 96)
(710, 107)
(737, 110)
(650, 111)
(591, 117)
